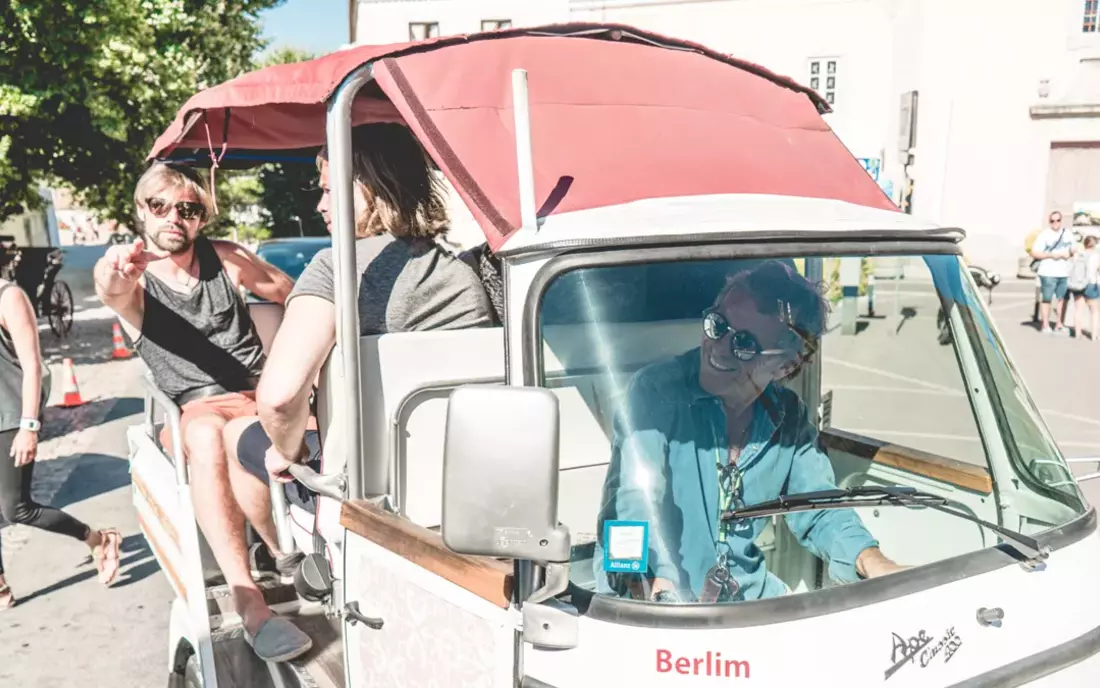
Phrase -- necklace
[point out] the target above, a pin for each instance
(191, 266)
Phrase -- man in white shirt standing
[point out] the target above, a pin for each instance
(1053, 248)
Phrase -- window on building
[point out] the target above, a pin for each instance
(824, 75)
(418, 31)
(1089, 21)
(494, 24)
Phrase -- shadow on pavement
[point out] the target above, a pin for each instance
(83, 350)
(79, 477)
(58, 421)
(136, 563)
(124, 408)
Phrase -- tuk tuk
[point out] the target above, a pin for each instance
(478, 522)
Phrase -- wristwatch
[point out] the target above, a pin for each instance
(30, 424)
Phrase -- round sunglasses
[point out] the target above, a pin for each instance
(187, 210)
(743, 344)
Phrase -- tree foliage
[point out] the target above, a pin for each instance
(289, 191)
(87, 85)
(277, 199)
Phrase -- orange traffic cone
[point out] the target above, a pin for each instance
(120, 344)
(72, 391)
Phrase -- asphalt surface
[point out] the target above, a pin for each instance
(893, 380)
(68, 629)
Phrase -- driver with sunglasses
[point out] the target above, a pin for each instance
(712, 430)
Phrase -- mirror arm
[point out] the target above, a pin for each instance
(556, 581)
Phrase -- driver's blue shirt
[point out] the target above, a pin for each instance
(668, 442)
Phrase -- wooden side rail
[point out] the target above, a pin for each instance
(488, 578)
(964, 475)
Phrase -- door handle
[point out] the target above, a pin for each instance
(354, 616)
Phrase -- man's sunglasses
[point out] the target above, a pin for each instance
(187, 210)
(743, 344)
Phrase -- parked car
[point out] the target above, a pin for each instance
(120, 238)
(291, 255)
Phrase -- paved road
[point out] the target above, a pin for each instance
(68, 629)
(893, 380)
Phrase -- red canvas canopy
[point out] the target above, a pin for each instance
(617, 115)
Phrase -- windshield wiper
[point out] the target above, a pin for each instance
(909, 497)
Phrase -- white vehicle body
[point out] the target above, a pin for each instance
(437, 631)
(409, 461)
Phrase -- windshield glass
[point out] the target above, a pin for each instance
(690, 389)
(292, 257)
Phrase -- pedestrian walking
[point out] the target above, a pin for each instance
(1052, 251)
(24, 390)
(1084, 287)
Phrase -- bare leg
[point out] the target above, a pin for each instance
(253, 496)
(1078, 314)
(220, 518)
(1044, 315)
(1094, 307)
(1057, 306)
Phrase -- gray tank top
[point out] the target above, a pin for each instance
(203, 340)
(11, 382)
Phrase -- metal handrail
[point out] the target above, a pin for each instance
(338, 136)
(173, 413)
(331, 485)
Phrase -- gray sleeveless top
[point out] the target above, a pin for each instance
(11, 382)
(201, 342)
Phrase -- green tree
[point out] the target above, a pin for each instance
(289, 198)
(87, 85)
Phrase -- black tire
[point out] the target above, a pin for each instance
(60, 308)
(192, 673)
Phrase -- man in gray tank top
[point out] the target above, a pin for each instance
(179, 300)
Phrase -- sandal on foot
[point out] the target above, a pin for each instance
(7, 599)
(106, 555)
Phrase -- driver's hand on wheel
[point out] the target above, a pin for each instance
(872, 563)
(130, 261)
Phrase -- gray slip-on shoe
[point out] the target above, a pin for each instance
(278, 640)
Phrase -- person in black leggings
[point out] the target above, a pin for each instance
(22, 398)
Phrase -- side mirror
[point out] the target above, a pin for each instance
(500, 474)
(1088, 476)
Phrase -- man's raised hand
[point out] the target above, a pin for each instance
(130, 261)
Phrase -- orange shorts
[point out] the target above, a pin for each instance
(224, 406)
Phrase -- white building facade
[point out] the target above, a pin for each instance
(1007, 114)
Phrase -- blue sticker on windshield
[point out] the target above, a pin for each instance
(626, 546)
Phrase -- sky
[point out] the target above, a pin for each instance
(319, 26)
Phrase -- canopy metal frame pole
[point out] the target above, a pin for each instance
(525, 162)
(338, 133)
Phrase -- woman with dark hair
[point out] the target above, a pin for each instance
(22, 399)
(407, 282)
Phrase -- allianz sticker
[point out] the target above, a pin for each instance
(626, 546)
(922, 649)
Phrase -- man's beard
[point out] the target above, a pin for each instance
(173, 244)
